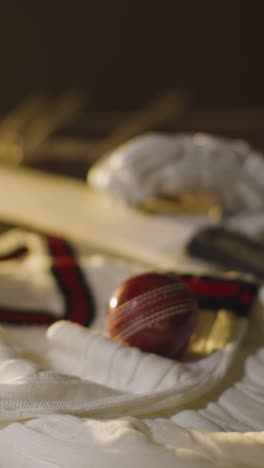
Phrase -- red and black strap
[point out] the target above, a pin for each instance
(211, 292)
(79, 304)
(216, 293)
(25, 317)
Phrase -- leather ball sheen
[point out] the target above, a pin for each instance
(154, 312)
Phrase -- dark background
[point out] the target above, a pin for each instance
(121, 53)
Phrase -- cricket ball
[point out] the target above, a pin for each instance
(154, 312)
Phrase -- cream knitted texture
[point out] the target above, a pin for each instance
(157, 383)
(66, 441)
(239, 408)
(99, 377)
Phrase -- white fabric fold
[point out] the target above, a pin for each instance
(157, 164)
(92, 375)
(66, 441)
(157, 383)
(239, 408)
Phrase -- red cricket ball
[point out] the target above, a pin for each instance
(155, 312)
